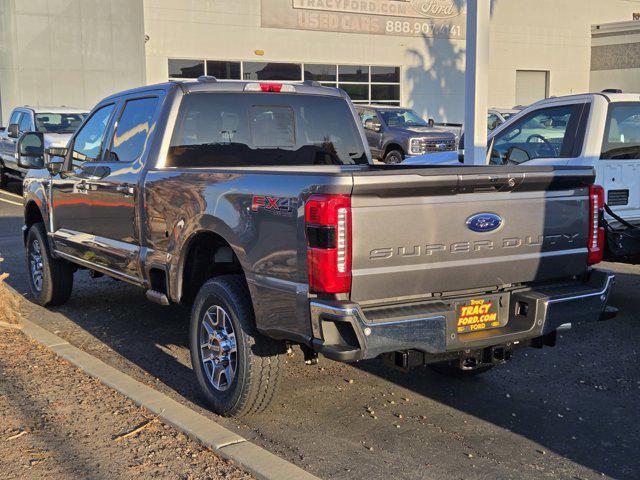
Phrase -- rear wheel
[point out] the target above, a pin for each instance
(238, 369)
(50, 279)
(452, 369)
(394, 156)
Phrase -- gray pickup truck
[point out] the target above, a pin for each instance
(259, 205)
(396, 133)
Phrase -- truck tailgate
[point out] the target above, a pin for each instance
(413, 230)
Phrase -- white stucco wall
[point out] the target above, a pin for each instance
(529, 35)
(75, 52)
(68, 52)
(615, 53)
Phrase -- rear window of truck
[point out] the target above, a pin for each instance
(622, 132)
(262, 129)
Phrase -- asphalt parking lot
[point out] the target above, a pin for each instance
(565, 412)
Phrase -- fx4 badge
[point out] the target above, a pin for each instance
(278, 205)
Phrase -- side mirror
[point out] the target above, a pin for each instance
(30, 151)
(431, 122)
(55, 159)
(516, 155)
(371, 125)
(55, 165)
(13, 130)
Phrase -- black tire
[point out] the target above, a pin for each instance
(394, 156)
(56, 274)
(259, 362)
(4, 180)
(451, 369)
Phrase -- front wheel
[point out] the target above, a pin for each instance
(238, 369)
(394, 156)
(50, 279)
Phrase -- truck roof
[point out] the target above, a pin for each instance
(611, 97)
(211, 84)
(379, 106)
(41, 109)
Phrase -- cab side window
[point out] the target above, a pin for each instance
(15, 118)
(545, 133)
(622, 132)
(492, 121)
(25, 123)
(88, 142)
(133, 129)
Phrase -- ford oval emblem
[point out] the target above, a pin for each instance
(484, 222)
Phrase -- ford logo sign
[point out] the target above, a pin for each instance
(484, 222)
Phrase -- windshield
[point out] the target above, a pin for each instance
(402, 118)
(58, 122)
(245, 129)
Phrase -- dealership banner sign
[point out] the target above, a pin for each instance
(430, 18)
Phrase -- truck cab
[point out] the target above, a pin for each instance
(601, 130)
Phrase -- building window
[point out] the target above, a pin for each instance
(223, 70)
(363, 83)
(353, 73)
(321, 73)
(186, 68)
(272, 71)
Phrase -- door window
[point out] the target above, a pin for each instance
(622, 132)
(15, 118)
(545, 133)
(88, 142)
(25, 123)
(132, 131)
(493, 121)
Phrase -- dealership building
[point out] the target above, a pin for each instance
(409, 52)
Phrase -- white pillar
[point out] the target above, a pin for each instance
(476, 82)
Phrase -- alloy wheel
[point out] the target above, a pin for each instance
(36, 265)
(218, 351)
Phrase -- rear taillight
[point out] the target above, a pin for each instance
(328, 227)
(596, 231)
(270, 87)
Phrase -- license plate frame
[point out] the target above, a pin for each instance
(479, 314)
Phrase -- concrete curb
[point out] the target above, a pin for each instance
(255, 460)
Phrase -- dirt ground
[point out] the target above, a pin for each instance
(56, 422)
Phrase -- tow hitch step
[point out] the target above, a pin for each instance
(157, 297)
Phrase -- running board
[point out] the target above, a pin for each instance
(157, 297)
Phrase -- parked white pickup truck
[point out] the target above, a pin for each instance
(56, 123)
(597, 129)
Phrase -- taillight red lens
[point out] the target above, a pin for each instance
(328, 226)
(596, 231)
(271, 87)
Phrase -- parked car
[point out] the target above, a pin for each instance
(259, 205)
(600, 130)
(495, 118)
(57, 123)
(396, 133)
